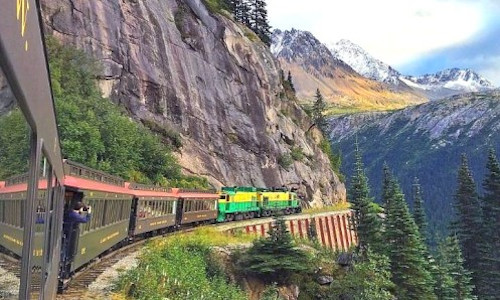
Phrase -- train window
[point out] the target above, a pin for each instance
(158, 208)
(163, 209)
(111, 211)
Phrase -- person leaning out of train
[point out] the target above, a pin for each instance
(79, 214)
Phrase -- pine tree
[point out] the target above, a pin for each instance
(275, 258)
(365, 219)
(386, 185)
(454, 281)
(318, 110)
(259, 22)
(406, 251)
(242, 12)
(419, 210)
(467, 224)
(290, 81)
(490, 247)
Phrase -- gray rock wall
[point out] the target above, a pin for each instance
(174, 63)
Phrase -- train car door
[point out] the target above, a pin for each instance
(179, 211)
(133, 216)
(71, 231)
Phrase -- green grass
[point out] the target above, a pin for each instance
(329, 208)
(182, 266)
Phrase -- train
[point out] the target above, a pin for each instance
(123, 212)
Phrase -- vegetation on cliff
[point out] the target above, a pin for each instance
(92, 130)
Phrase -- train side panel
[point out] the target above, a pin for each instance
(154, 213)
(237, 200)
(12, 206)
(197, 207)
(107, 227)
(279, 200)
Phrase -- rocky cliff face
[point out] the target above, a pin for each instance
(204, 76)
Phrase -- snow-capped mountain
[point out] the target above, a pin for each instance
(314, 67)
(363, 63)
(449, 82)
(434, 86)
(302, 47)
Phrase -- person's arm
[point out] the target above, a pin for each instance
(77, 218)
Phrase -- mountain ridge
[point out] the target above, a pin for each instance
(314, 67)
(348, 64)
(437, 85)
(423, 141)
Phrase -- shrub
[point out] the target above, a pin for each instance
(186, 269)
(215, 6)
(94, 131)
(297, 154)
(285, 161)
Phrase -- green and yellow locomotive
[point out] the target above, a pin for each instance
(240, 202)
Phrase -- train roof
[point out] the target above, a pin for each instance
(81, 177)
(20, 187)
(141, 190)
(198, 193)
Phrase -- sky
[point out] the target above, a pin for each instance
(413, 36)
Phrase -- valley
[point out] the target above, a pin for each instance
(423, 141)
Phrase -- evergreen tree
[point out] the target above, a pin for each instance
(419, 210)
(406, 251)
(290, 81)
(365, 219)
(318, 110)
(369, 279)
(386, 185)
(467, 224)
(259, 22)
(275, 258)
(454, 280)
(490, 247)
(242, 12)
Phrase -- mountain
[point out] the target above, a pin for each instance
(363, 63)
(313, 66)
(433, 86)
(183, 70)
(449, 82)
(424, 141)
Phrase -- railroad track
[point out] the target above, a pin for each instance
(77, 288)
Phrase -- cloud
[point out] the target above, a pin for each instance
(395, 31)
(416, 37)
(480, 53)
